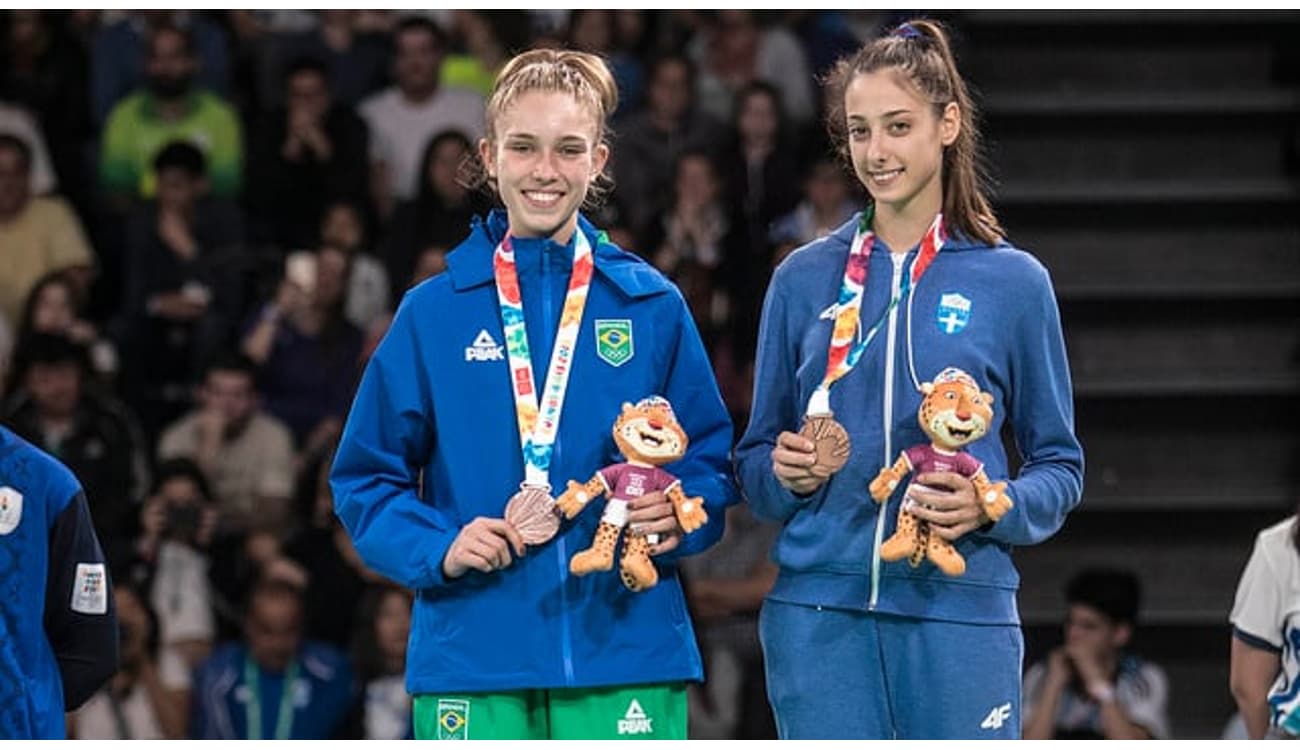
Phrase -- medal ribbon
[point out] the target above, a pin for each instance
(284, 721)
(843, 354)
(538, 424)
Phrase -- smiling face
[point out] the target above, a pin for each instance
(543, 153)
(955, 413)
(896, 141)
(649, 434)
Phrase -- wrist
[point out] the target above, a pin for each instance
(1101, 691)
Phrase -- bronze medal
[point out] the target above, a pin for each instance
(532, 512)
(831, 441)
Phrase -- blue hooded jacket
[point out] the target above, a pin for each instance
(432, 442)
(987, 310)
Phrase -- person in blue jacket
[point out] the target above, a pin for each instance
(505, 643)
(58, 627)
(855, 646)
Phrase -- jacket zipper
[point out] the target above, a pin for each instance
(561, 551)
(899, 259)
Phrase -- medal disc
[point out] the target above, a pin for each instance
(532, 512)
(831, 441)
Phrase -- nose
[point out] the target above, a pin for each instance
(544, 168)
(876, 147)
(963, 413)
(655, 424)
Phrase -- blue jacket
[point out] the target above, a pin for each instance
(987, 310)
(432, 442)
(58, 625)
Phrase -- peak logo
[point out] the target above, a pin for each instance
(635, 721)
(484, 349)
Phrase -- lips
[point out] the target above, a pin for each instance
(885, 177)
(542, 198)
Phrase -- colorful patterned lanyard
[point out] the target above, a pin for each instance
(537, 426)
(843, 356)
(284, 721)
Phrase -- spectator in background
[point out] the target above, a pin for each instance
(403, 117)
(54, 305)
(440, 214)
(245, 454)
(382, 710)
(1092, 687)
(736, 51)
(307, 154)
(182, 291)
(148, 698)
(43, 68)
(171, 559)
(829, 201)
(119, 61)
(1265, 666)
(650, 141)
(488, 39)
(343, 226)
(355, 63)
(274, 684)
(37, 234)
(169, 108)
(593, 30)
(725, 587)
(18, 122)
(308, 354)
(94, 435)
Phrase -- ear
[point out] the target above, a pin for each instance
(485, 156)
(927, 388)
(598, 158)
(627, 407)
(988, 398)
(950, 124)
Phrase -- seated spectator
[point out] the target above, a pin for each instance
(273, 685)
(306, 154)
(725, 587)
(650, 141)
(182, 290)
(245, 454)
(308, 354)
(148, 698)
(170, 559)
(38, 234)
(441, 212)
(382, 710)
(171, 107)
(55, 306)
(736, 51)
(118, 56)
(342, 226)
(1092, 687)
(488, 38)
(18, 122)
(354, 60)
(403, 117)
(829, 201)
(92, 434)
(593, 30)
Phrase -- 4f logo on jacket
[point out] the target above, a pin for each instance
(484, 349)
(997, 717)
(635, 720)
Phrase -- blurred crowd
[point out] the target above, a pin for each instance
(206, 220)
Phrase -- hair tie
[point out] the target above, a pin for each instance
(907, 31)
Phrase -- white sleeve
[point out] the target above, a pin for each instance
(1258, 608)
(1145, 698)
(1032, 691)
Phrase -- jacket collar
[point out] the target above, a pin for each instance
(957, 240)
(470, 265)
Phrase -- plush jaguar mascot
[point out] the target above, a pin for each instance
(649, 436)
(953, 414)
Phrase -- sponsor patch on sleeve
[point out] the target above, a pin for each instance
(90, 589)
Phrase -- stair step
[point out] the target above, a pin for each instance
(1156, 103)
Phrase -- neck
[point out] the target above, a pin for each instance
(902, 226)
(560, 236)
(420, 95)
(173, 109)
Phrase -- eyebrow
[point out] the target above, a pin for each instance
(890, 113)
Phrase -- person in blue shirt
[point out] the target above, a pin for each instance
(505, 643)
(58, 626)
(274, 684)
(855, 646)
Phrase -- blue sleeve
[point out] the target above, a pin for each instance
(387, 440)
(82, 632)
(1050, 483)
(774, 409)
(705, 470)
